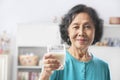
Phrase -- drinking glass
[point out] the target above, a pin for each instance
(58, 51)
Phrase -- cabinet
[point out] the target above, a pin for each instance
(111, 31)
(29, 72)
(111, 35)
(33, 38)
(4, 67)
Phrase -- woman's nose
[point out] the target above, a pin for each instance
(81, 32)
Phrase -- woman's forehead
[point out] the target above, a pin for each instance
(82, 17)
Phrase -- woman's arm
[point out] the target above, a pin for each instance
(44, 75)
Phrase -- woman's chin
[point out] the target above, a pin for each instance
(81, 46)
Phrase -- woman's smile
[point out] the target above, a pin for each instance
(81, 40)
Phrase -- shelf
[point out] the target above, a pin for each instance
(112, 26)
(109, 47)
(29, 67)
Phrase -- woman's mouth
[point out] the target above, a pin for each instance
(82, 40)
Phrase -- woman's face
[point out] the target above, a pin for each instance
(81, 31)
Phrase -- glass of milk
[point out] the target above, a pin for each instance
(59, 52)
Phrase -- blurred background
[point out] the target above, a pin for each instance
(27, 26)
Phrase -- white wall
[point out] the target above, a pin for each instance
(38, 34)
(22, 11)
(13, 12)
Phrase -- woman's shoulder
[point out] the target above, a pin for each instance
(99, 61)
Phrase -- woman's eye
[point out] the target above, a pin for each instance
(87, 26)
(76, 27)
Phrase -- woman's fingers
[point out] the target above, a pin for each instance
(48, 61)
(51, 65)
(46, 56)
(50, 69)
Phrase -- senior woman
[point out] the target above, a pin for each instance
(79, 28)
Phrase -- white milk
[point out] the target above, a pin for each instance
(59, 52)
(61, 58)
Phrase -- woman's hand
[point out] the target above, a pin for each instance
(50, 64)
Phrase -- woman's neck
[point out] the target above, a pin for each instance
(80, 54)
